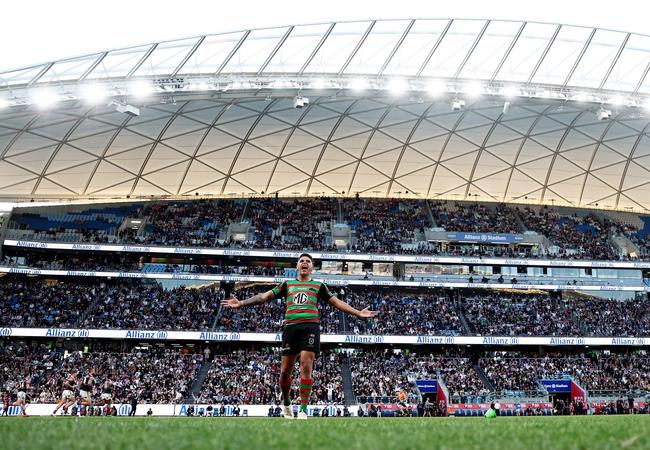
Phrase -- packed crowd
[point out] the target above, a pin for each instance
(151, 375)
(141, 306)
(597, 371)
(299, 224)
(575, 237)
(25, 302)
(251, 377)
(378, 375)
(189, 223)
(403, 312)
(382, 226)
(165, 374)
(378, 226)
(144, 304)
(475, 217)
(548, 315)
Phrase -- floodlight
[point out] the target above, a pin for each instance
(509, 91)
(358, 84)
(94, 93)
(580, 97)
(318, 84)
(140, 89)
(617, 101)
(397, 86)
(474, 89)
(45, 98)
(435, 87)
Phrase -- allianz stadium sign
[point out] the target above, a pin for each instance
(349, 339)
(328, 256)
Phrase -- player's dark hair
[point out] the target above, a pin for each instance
(307, 255)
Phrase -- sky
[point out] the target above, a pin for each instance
(40, 31)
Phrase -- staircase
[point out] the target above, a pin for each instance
(339, 211)
(484, 378)
(89, 310)
(197, 384)
(430, 214)
(343, 323)
(467, 329)
(623, 245)
(245, 209)
(217, 316)
(516, 214)
(348, 388)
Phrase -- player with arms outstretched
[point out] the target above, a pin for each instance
(301, 335)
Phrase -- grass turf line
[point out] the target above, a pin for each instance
(178, 433)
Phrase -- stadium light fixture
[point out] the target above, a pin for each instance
(580, 97)
(280, 84)
(358, 84)
(509, 91)
(94, 93)
(616, 101)
(473, 89)
(44, 98)
(140, 89)
(397, 86)
(318, 84)
(435, 87)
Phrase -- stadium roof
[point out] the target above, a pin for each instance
(553, 114)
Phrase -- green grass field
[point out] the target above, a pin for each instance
(503, 433)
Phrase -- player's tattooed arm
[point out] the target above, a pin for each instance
(254, 300)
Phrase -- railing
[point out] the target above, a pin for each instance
(505, 396)
(615, 394)
(363, 399)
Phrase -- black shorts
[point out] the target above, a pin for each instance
(303, 336)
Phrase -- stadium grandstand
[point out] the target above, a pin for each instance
(483, 185)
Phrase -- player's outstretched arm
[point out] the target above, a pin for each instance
(365, 313)
(234, 303)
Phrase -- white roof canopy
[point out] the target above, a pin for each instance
(218, 116)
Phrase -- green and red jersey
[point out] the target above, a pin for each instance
(302, 300)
